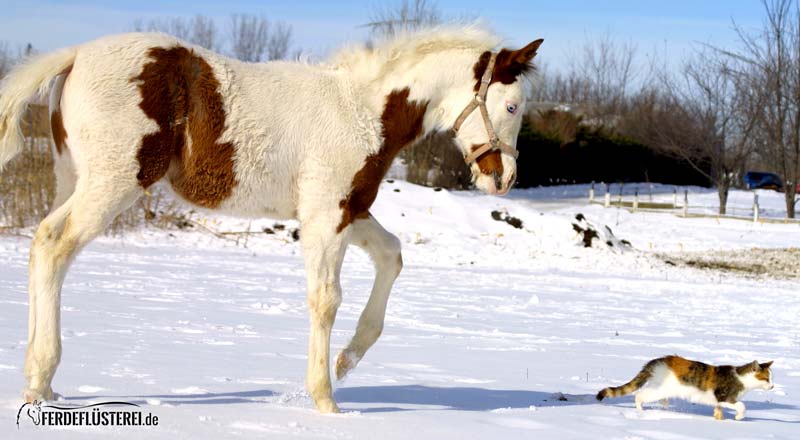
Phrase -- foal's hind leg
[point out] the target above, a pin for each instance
(59, 237)
(64, 170)
(384, 248)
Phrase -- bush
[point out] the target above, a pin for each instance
(27, 185)
(592, 154)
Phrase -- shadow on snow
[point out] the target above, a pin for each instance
(221, 398)
(448, 398)
(458, 398)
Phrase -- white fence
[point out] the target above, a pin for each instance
(691, 201)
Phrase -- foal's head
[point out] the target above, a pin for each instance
(494, 170)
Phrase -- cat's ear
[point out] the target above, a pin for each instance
(766, 365)
(754, 365)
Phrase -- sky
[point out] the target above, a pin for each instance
(669, 28)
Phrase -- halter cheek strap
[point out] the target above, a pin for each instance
(479, 102)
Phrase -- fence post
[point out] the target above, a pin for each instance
(686, 203)
(755, 207)
(607, 201)
(674, 198)
(591, 193)
(636, 200)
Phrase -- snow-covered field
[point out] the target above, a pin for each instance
(489, 327)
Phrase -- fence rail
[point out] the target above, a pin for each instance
(679, 205)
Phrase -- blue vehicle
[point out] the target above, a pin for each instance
(762, 180)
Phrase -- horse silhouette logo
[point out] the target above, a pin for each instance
(34, 412)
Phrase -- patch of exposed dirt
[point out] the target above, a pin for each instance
(777, 263)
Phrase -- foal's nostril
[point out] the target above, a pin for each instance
(498, 180)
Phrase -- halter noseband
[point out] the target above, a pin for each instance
(479, 102)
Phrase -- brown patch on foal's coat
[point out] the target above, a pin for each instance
(401, 122)
(57, 129)
(181, 94)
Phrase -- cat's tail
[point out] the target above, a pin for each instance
(635, 383)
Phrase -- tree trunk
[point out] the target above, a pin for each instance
(722, 190)
(791, 192)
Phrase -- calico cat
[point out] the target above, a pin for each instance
(674, 376)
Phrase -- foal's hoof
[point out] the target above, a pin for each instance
(31, 396)
(327, 406)
(346, 361)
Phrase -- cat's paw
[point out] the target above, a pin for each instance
(739, 416)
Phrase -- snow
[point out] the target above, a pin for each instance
(488, 330)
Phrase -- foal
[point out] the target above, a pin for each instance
(278, 139)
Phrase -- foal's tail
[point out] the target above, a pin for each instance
(22, 83)
(635, 383)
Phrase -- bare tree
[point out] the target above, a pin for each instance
(249, 37)
(391, 20)
(599, 80)
(7, 59)
(773, 55)
(279, 41)
(204, 32)
(255, 39)
(199, 30)
(707, 115)
(607, 68)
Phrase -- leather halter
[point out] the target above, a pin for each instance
(479, 102)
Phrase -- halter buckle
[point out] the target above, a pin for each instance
(479, 102)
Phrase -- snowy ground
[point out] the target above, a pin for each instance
(487, 326)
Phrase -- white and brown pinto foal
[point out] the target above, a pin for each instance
(278, 140)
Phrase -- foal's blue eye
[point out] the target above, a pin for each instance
(512, 108)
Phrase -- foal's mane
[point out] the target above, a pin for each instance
(411, 47)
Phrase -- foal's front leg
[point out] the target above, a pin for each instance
(323, 250)
(384, 249)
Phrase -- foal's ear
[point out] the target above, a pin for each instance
(510, 63)
(525, 55)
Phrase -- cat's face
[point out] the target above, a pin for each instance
(758, 375)
(764, 375)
